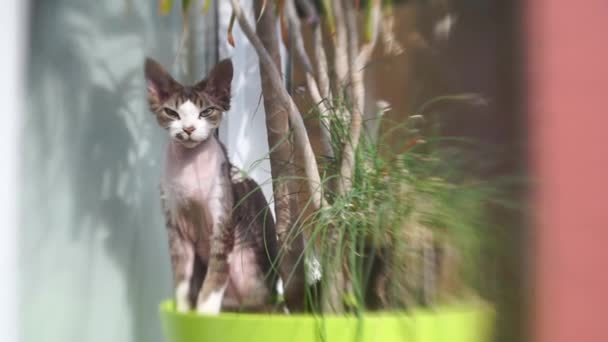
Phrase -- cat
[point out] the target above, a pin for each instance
(222, 238)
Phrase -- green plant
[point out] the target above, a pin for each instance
(409, 232)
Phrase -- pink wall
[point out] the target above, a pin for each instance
(568, 97)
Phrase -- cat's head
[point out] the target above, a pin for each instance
(190, 114)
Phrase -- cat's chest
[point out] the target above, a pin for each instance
(193, 175)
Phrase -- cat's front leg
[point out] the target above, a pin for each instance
(212, 292)
(182, 262)
(210, 297)
(182, 254)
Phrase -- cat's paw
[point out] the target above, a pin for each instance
(211, 305)
(182, 303)
(208, 310)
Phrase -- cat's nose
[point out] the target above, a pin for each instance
(189, 129)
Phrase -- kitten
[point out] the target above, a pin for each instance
(222, 238)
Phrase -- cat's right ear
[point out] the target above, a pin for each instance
(159, 82)
(218, 83)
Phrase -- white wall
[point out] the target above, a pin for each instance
(93, 254)
(12, 36)
(92, 249)
(91, 245)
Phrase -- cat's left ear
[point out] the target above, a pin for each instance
(217, 84)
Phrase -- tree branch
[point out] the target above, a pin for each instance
(311, 83)
(282, 166)
(311, 168)
(367, 49)
(357, 63)
(321, 59)
(295, 32)
(340, 40)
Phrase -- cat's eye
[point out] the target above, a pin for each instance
(206, 112)
(171, 113)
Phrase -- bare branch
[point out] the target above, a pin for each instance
(366, 50)
(356, 64)
(310, 12)
(325, 112)
(311, 83)
(282, 167)
(350, 145)
(340, 40)
(264, 3)
(323, 86)
(310, 167)
(321, 59)
(295, 31)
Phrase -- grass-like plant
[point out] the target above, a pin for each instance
(409, 233)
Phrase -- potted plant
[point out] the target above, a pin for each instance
(385, 229)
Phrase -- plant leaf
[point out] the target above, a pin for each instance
(164, 6)
(230, 27)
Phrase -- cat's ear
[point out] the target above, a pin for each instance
(159, 82)
(217, 84)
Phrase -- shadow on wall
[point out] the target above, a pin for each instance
(93, 252)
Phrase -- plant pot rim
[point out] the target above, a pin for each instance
(167, 307)
(458, 323)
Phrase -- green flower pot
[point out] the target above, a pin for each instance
(449, 324)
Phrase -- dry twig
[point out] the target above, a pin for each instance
(311, 168)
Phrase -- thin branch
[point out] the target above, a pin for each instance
(367, 49)
(323, 86)
(311, 167)
(295, 30)
(350, 145)
(313, 88)
(340, 40)
(321, 59)
(309, 10)
(356, 63)
(381, 22)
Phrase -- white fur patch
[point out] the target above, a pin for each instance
(186, 179)
(189, 117)
(213, 303)
(182, 303)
